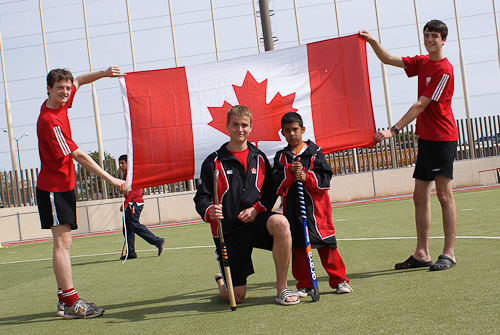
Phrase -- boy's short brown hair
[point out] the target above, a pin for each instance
(238, 110)
(437, 26)
(57, 75)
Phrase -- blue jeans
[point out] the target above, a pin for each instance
(132, 214)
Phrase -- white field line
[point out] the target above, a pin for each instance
(108, 253)
(414, 237)
(212, 246)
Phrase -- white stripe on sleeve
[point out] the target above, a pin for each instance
(440, 87)
(62, 141)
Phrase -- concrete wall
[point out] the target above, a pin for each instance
(22, 223)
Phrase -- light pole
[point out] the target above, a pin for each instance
(17, 145)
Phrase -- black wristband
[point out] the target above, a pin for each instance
(395, 128)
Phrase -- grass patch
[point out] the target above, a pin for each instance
(176, 293)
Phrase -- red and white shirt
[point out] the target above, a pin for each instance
(134, 196)
(57, 172)
(436, 82)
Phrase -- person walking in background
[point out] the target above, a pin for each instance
(134, 203)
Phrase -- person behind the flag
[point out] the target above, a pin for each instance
(437, 141)
(134, 203)
(246, 198)
(304, 162)
(56, 181)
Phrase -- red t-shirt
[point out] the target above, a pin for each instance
(436, 82)
(57, 173)
(134, 196)
(242, 156)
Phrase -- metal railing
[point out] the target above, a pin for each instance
(485, 141)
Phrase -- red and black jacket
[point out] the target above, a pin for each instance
(236, 190)
(318, 207)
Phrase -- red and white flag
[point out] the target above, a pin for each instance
(176, 117)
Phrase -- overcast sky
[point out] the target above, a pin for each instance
(235, 26)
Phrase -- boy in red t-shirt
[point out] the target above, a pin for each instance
(437, 141)
(56, 181)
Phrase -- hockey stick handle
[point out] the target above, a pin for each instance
(223, 249)
(125, 233)
(302, 204)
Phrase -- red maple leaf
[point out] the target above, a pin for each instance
(266, 117)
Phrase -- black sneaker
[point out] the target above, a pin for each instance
(82, 310)
(160, 247)
(122, 257)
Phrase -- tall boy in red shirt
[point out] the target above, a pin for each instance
(56, 181)
(437, 141)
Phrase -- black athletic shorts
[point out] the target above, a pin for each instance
(56, 208)
(435, 158)
(240, 245)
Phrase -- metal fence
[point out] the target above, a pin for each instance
(88, 186)
(398, 152)
(484, 134)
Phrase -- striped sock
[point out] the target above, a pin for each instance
(69, 297)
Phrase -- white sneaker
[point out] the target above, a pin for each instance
(82, 310)
(60, 308)
(344, 287)
(303, 292)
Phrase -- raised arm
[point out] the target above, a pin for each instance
(90, 165)
(90, 77)
(381, 52)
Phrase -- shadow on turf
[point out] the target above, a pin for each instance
(363, 275)
(206, 302)
(117, 259)
(173, 306)
(29, 318)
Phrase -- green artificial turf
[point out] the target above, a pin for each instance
(176, 293)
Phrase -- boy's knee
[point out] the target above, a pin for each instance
(420, 198)
(238, 297)
(445, 198)
(278, 225)
(239, 294)
(63, 243)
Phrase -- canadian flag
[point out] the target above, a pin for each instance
(176, 117)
